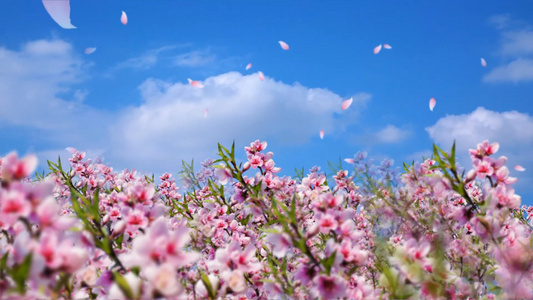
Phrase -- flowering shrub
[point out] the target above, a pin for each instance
(239, 231)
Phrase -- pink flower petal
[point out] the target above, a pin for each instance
(387, 46)
(284, 45)
(206, 112)
(483, 62)
(71, 150)
(346, 103)
(322, 134)
(59, 10)
(195, 83)
(248, 66)
(519, 168)
(432, 103)
(261, 76)
(124, 18)
(89, 50)
(377, 49)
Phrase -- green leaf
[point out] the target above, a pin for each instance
(328, 262)
(21, 272)
(212, 293)
(123, 285)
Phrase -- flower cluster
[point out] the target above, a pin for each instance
(240, 231)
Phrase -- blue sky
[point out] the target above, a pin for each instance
(130, 101)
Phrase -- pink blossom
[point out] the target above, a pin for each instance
(330, 287)
(327, 223)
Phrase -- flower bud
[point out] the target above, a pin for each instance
(246, 166)
(471, 175)
(119, 228)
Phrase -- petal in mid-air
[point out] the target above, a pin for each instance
(519, 168)
(89, 50)
(284, 45)
(71, 150)
(195, 83)
(377, 49)
(346, 103)
(261, 76)
(59, 10)
(322, 134)
(483, 62)
(432, 103)
(124, 18)
(248, 66)
(206, 112)
(387, 46)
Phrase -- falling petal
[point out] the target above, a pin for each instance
(519, 168)
(195, 83)
(322, 134)
(346, 103)
(261, 76)
(59, 10)
(349, 160)
(387, 46)
(432, 103)
(124, 18)
(71, 150)
(377, 49)
(284, 45)
(90, 50)
(483, 62)
(206, 112)
(248, 66)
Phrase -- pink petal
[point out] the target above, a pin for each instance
(195, 83)
(124, 18)
(346, 103)
(71, 150)
(322, 134)
(206, 112)
(261, 76)
(483, 62)
(89, 50)
(432, 103)
(377, 49)
(59, 10)
(248, 66)
(284, 45)
(349, 160)
(387, 46)
(519, 168)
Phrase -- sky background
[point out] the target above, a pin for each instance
(130, 103)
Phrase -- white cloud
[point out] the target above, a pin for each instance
(517, 49)
(391, 134)
(170, 125)
(31, 79)
(194, 59)
(517, 42)
(515, 71)
(145, 61)
(512, 129)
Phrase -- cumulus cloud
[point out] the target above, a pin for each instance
(31, 79)
(170, 124)
(41, 97)
(512, 129)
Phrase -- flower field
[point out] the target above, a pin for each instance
(239, 231)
